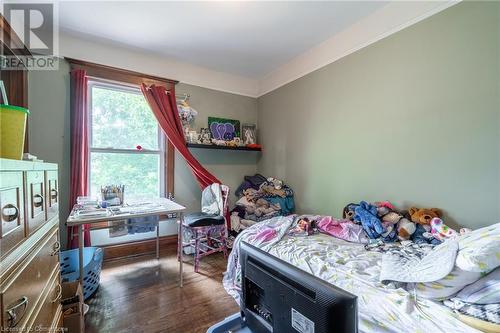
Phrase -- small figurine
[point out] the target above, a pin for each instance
(205, 137)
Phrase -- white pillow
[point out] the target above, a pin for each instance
(479, 250)
(478, 254)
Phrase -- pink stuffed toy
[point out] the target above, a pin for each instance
(441, 231)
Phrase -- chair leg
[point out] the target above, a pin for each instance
(224, 242)
(196, 250)
(179, 242)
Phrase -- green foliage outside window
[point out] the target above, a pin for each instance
(123, 120)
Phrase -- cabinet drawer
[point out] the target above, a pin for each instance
(21, 293)
(50, 305)
(52, 193)
(35, 183)
(12, 229)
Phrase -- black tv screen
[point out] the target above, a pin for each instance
(279, 297)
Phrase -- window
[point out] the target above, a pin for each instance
(126, 143)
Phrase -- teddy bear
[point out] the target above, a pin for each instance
(422, 217)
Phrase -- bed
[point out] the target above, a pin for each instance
(382, 308)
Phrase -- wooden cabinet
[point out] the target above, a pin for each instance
(30, 283)
(13, 228)
(52, 189)
(35, 186)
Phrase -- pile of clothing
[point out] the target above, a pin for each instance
(260, 199)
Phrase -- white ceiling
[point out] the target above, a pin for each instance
(248, 48)
(249, 39)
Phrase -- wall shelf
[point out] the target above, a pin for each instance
(197, 145)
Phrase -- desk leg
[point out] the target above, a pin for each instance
(80, 252)
(180, 248)
(158, 240)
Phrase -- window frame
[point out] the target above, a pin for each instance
(162, 141)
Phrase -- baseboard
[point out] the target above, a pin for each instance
(132, 249)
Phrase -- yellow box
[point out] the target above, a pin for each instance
(12, 130)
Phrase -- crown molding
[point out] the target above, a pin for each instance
(393, 17)
(386, 21)
(145, 62)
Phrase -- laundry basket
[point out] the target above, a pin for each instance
(92, 263)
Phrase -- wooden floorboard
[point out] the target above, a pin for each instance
(141, 294)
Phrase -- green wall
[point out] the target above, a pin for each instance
(49, 125)
(413, 119)
(49, 102)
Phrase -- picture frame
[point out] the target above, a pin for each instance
(249, 134)
(205, 137)
(223, 128)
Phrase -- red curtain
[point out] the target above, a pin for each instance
(164, 107)
(80, 152)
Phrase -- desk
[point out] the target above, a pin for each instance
(129, 210)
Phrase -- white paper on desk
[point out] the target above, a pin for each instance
(139, 209)
(80, 214)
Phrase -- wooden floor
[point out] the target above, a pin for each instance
(142, 295)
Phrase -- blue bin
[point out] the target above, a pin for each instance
(92, 263)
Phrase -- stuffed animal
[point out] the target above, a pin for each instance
(393, 220)
(406, 228)
(349, 211)
(441, 231)
(367, 215)
(424, 216)
(422, 236)
(386, 204)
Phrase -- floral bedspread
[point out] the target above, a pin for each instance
(382, 308)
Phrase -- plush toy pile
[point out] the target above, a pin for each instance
(261, 198)
(382, 222)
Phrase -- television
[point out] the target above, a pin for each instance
(279, 297)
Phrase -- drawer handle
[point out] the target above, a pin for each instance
(55, 248)
(10, 213)
(59, 294)
(37, 200)
(53, 194)
(17, 311)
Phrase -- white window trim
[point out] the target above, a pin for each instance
(161, 137)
